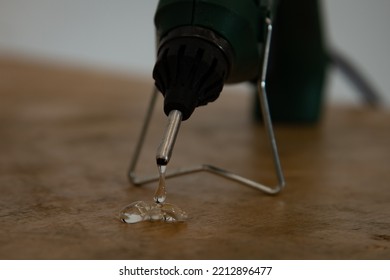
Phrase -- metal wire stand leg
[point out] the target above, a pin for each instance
(213, 169)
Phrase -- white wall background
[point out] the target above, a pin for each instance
(119, 35)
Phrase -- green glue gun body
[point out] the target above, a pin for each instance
(204, 44)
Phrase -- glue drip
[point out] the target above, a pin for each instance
(158, 210)
(161, 192)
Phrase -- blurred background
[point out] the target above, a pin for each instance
(119, 35)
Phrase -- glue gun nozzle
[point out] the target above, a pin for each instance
(165, 148)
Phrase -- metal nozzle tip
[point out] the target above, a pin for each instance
(162, 161)
(165, 149)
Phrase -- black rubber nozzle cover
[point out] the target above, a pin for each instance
(189, 72)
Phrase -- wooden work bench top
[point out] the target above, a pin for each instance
(67, 136)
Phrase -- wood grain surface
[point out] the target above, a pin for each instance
(67, 136)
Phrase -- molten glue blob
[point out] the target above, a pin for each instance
(140, 211)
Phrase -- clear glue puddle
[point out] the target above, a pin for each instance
(158, 210)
